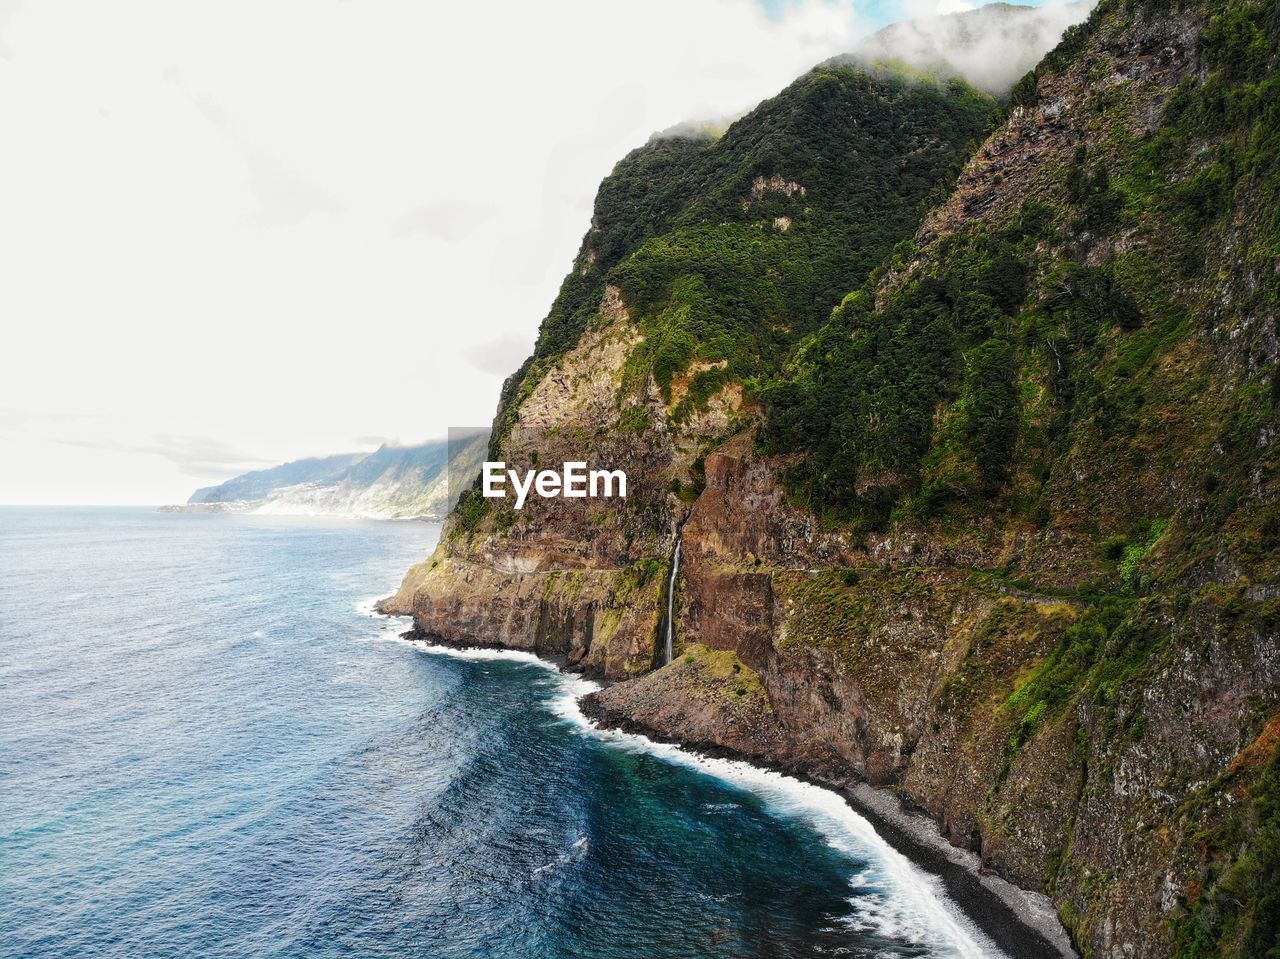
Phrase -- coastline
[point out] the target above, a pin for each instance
(1023, 924)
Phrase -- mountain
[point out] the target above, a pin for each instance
(257, 485)
(969, 449)
(393, 482)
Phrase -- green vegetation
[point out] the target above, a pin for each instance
(1024, 361)
(865, 389)
(728, 250)
(723, 666)
(643, 571)
(1239, 916)
(1074, 388)
(1135, 552)
(1057, 679)
(1098, 658)
(910, 400)
(471, 508)
(758, 287)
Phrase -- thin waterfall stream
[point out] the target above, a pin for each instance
(671, 599)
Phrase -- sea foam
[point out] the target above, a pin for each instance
(895, 898)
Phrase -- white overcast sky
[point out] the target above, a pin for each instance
(238, 233)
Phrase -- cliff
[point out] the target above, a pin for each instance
(706, 260)
(999, 531)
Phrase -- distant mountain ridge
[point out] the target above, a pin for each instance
(392, 482)
(258, 484)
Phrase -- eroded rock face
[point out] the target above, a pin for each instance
(706, 698)
(901, 676)
(1144, 61)
(866, 667)
(563, 577)
(920, 657)
(775, 184)
(597, 620)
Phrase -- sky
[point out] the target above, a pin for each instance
(239, 233)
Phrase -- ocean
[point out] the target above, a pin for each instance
(211, 747)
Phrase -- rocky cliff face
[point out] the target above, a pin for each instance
(565, 578)
(704, 261)
(1043, 606)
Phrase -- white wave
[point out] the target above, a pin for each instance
(365, 607)
(576, 852)
(480, 653)
(912, 906)
(895, 899)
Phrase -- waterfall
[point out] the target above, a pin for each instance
(671, 598)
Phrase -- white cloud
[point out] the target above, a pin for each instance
(502, 355)
(989, 48)
(287, 224)
(199, 456)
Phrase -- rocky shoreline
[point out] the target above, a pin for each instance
(1023, 924)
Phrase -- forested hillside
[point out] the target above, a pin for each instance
(728, 247)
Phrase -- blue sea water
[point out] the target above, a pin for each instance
(209, 747)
